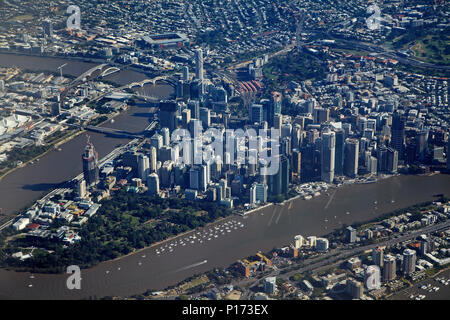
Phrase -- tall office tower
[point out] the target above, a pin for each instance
(296, 136)
(270, 285)
(409, 261)
(424, 245)
(2, 85)
(274, 108)
(157, 141)
(327, 156)
(194, 179)
(168, 114)
(179, 89)
(90, 164)
(153, 184)
(297, 162)
(279, 182)
(339, 152)
(165, 133)
(186, 117)
(286, 146)
(389, 268)
(47, 27)
(166, 177)
(185, 73)
(286, 130)
(199, 64)
(143, 167)
(391, 160)
(256, 113)
(351, 157)
(205, 117)
(321, 115)
(377, 256)
(194, 106)
(153, 159)
(398, 133)
(422, 144)
(277, 123)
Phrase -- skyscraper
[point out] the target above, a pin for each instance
(256, 113)
(351, 154)
(409, 261)
(90, 164)
(339, 152)
(327, 156)
(377, 256)
(167, 114)
(143, 166)
(389, 268)
(398, 133)
(153, 184)
(199, 64)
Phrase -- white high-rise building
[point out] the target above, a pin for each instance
(153, 159)
(143, 167)
(299, 241)
(165, 132)
(199, 64)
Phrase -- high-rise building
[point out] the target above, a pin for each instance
(392, 160)
(194, 106)
(205, 117)
(81, 188)
(256, 113)
(2, 85)
(274, 109)
(168, 114)
(186, 117)
(350, 235)
(327, 156)
(153, 184)
(165, 133)
(321, 115)
(90, 164)
(299, 241)
(322, 244)
(153, 159)
(185, 73)
(258, 193)
(279, 182)
(409, 261)
(377, 256)
(339, 152)
(143, 167)
(199, 64)
(354, 289)
(389, 268)
(270, 285)
(351, 154)
(398, 133)
(297, 162)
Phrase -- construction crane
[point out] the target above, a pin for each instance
(60, 69)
